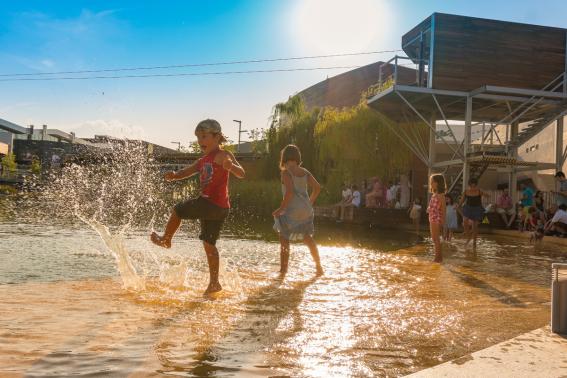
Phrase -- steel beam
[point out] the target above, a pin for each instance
(444, 118)
(441, 92)
(447, 163)
(496, 97)
(426, 122)
(431, 160)
(526, 92)
(467, 141)
(559, 144)
(513, 177)
(431, 62)
(381, 94)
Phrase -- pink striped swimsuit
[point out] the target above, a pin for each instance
(434, 210)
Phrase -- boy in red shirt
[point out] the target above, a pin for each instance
(212, 206)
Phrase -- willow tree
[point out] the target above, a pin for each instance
(355, 144)
(291, 124)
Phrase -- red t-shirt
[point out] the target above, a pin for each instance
(214, 180)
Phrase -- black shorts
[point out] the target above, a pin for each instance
(210, 216)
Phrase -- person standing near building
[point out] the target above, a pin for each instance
(404, 191)
(473, 212)
(505, 208)
(561, 194)
(436, 212)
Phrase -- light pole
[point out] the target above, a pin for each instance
(240, 131)
(178, 145)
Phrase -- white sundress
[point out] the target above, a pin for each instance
(297, 220)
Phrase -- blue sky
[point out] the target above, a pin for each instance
(39, 36)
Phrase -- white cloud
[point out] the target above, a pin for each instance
(115, 128)
(47, 63)
(75, 41)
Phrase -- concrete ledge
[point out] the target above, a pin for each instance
(539, 353)
(525, 235)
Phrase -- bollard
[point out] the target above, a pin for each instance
(559, 298)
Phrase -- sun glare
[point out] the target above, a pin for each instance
(329, 26)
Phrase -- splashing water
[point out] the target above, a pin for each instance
(121, 192)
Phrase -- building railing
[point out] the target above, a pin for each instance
(389, 74)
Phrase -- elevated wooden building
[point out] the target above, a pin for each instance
(483, 88)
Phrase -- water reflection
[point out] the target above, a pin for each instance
(382, 309)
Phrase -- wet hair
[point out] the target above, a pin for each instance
(290, 153)
(440, 180)
(473, 181)
(560, 174)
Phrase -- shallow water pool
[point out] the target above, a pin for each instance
(381, 309)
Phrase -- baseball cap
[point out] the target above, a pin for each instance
(211, 126)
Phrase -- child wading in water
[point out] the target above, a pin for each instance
(415, 215)
(294, 217)
(451, 222)
(436, 210)
(212, 206)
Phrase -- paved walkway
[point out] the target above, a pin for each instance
(539, 353)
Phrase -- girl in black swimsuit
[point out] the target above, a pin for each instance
(473, 212)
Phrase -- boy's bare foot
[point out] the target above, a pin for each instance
(282, 273)
(160, 241)
(213, 288)
(320, 271)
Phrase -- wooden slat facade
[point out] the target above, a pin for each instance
(471, 52)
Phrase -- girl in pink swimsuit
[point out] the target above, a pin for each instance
(436, 211)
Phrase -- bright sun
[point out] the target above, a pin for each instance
(334, 26)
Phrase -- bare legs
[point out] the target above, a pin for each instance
(471, 230)
(310, 243)
(170, 229)
(474, 232)
(214, 262)
(416, 225)
(435, 229)
(284, 254)
(210, 250)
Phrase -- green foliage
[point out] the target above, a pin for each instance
(258, 197)
(355, 144)
(36, 165)
(7, 189)
(259, 140)
(338, 146)
(9, 164)
(377, 88)
(287, 112)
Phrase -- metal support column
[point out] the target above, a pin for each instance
(559, 145)
(467, 142)
(421, 65)
(431, 157)
(513, 175)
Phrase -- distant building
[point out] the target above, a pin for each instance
(107, 141)
(54, 146)
(346, 89)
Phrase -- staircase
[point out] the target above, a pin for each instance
(537, 125)
(476, 170)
